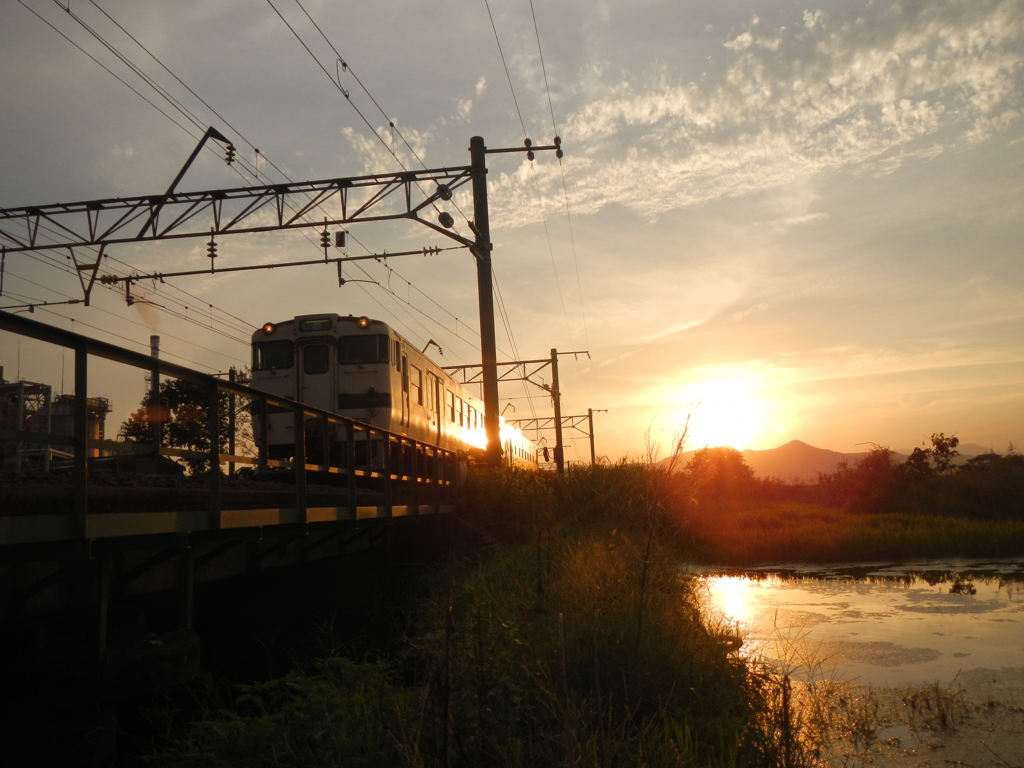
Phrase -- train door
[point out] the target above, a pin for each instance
(434, 393)
(316, 380)
(405, 391)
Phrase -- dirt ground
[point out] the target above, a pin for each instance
(978, 721)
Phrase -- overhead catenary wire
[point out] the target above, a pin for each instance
(245, 342)
(565, 194)
(192, 118)
(348, 98)
(127, 62)
(177, 104)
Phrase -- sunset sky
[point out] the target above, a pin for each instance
(791, 220)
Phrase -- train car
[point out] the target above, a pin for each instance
(362, 369)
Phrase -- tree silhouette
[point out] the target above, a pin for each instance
(182, 415)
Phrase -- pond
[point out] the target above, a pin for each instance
(879, 624)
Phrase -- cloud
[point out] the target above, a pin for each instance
(868, 92)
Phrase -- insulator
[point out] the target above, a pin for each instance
(527, 143)
(444, 192)
(325, 239)
(446, 220)
(211, 248)
(529, 155)
(558, 141)
(108, 279)
(558, 154)
(230, 154)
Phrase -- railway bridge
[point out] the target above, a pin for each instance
(101, 554)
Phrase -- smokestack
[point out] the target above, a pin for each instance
(152, 378)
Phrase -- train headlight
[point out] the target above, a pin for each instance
(363, 322)
(269, 328)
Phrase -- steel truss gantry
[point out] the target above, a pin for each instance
(273, 207)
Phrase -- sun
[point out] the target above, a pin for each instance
(724, 412)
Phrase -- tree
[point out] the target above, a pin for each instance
(918, 464)
(182, 416)
(944, 451)
(720, 475)
(865, 485)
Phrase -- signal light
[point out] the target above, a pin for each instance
(363, 322)
(446, 220)
(269, 328)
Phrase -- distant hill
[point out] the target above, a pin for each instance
(798, 462)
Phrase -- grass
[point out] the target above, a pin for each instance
(569, 638)
(803, 532)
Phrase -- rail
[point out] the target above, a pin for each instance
(411, 477)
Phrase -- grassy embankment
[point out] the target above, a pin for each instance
(567, 639)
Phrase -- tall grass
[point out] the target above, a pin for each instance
(571, 639)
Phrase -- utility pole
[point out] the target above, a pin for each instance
(590, 419)
(488, 344)
(556, 398)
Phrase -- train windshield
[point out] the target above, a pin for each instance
(273, 354)
(363, 350)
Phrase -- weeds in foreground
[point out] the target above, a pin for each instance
(935, 706)
(612, 664)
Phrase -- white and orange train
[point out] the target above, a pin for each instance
(362, 369)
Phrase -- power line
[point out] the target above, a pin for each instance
(543, 69)
(118, 317)
(193, 118)
(503, 64)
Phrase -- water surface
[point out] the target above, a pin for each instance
(878, 623)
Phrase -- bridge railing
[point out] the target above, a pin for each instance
(401, 472)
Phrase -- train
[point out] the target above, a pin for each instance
(364, 370)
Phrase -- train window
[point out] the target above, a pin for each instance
(273, 354)
(395, 358)
(460, 410)
(417, 385)
(405, 373)
(316, 358)
(323, 324)
(363, 350)
(451, 406)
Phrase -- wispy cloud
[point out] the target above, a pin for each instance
(901, 80)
